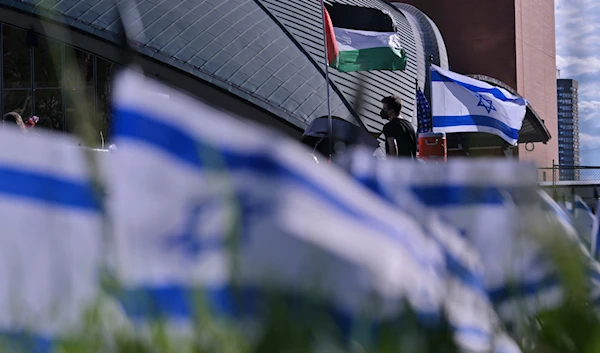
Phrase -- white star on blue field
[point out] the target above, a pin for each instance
(578, 57)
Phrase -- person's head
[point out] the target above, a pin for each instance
(13, 118)
(391, 107)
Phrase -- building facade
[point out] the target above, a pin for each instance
(511, 41)
(260, 59)
(568, 128)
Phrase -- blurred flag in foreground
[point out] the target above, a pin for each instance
(185, 194)
(497, 207)
(49, 243)
(470, 311)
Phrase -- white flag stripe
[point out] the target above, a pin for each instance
(480, 86)
(350, 39)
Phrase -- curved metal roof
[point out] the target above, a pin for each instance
(431, 37)
(268, 52)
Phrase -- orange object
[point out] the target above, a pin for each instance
(432, 146)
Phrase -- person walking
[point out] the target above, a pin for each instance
(400, 136)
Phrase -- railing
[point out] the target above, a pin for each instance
(569, 175)
(564, 182)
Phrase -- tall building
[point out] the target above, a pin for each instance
(511, 41)
(568, 128)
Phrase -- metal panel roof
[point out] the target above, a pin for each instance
(303, 20)
(266, 51)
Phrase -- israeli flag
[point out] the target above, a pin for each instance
(191, 183)
(495, 205)
(470, 312)
(50, 243)
(463, 104)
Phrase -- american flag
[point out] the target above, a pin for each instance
(423, 113)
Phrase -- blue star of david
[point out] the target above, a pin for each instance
(486, 103)
(192, 243)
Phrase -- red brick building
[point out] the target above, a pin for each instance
(511, 41)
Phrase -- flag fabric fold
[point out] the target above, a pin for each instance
(463, 104)
(182, 192)
(354, 44)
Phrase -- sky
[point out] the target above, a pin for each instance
(578, 57)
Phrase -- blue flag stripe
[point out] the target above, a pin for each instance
(504, 293)
(582, 206)
(461, 195)
(176, 301)
(497, 93)
(14, 341)
(475, 120)
(47, 189)
(180, 145)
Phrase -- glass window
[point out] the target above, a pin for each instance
(83, 63)
(104, 76)
(49, 108)
(17, 63)
(47, 63)
(52, 83)
(18, 101)
(75, 112)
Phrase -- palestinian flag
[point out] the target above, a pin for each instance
(362, 39)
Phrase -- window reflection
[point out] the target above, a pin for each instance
(75, 112)
(16, 56)
(18, 101)
(52, 96)
(49, 108)
(47, 61)
(81, 62)
(103, 117)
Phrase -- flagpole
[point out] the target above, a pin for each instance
(428, 88)
(417, 105)
(327, 80)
